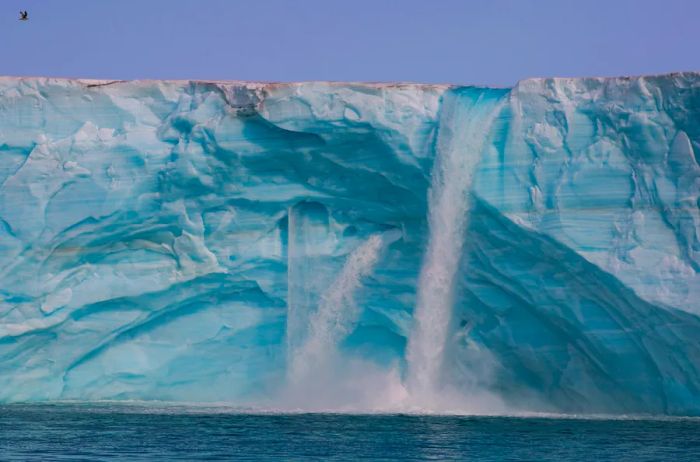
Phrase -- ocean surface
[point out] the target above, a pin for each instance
(124, 432)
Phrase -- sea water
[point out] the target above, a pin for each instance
(138, 432)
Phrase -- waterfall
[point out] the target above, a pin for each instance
(463, 127)
(337, 311)
(322, 310)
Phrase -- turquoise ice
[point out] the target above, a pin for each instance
(353, 246)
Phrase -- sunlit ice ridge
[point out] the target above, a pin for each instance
(353, 247)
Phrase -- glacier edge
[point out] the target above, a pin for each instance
(154, 235)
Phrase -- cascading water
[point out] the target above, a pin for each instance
(321, 378)
(337, 311)
(316, 371)
(464, 125)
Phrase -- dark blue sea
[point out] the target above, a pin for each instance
(108, 432)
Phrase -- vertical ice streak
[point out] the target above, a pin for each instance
(337, 311)
(310, 243)
(464, 124)
(291, 279)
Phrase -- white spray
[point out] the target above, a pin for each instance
(337, 311)
(461, 138)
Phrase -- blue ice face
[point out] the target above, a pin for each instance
(342, 246)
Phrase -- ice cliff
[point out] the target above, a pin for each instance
(353, 246)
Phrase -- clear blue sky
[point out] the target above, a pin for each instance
(495, 42)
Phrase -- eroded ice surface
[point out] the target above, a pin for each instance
(201, 241)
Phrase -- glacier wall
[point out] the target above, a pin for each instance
(353, 246)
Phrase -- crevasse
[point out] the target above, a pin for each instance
(189, 241)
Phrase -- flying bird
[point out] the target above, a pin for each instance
(23, 16)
